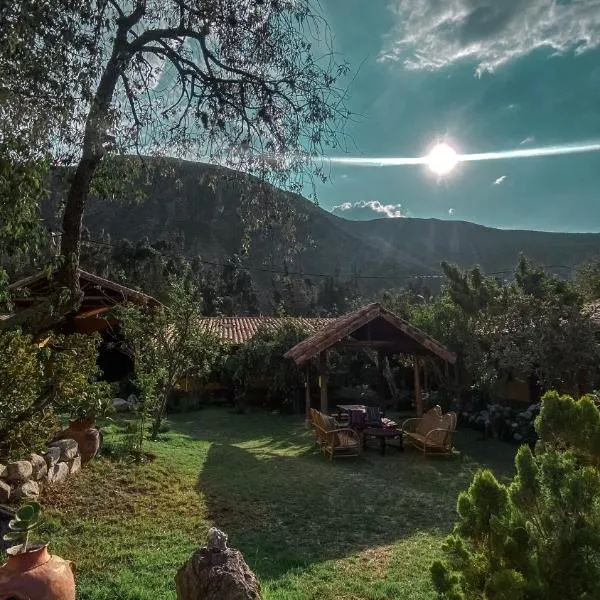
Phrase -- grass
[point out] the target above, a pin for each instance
(365, 528)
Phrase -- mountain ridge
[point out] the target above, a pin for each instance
(208, 207)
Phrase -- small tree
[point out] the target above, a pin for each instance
(38, 382)
(539, 536)
(169, 345)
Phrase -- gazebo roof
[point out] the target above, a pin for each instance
(371, 326)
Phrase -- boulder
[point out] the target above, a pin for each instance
(52, 456)
(28, 490)
(86, 436)
(4, 491)
(132, 400)
(121, 405)
(216, 572)
(18, 471)
(57, 473)
(39, 466)
(75, 465)
(68, 448)
(2, 470)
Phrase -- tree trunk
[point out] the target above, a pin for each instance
(160, 413)
(66, 295)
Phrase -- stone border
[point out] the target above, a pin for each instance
(24, 479)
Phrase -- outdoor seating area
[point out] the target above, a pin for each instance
(347, 433)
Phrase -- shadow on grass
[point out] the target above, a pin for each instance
(288, 511)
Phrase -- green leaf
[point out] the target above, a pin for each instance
(26, 513)
(13, 536)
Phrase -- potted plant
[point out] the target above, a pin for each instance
(31, 571)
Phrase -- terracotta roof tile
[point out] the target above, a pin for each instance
(238, 330)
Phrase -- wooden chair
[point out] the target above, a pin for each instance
(335, 441)
(432, 433)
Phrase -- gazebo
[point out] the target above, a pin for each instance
(370, 327)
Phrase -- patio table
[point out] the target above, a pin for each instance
(382, 434)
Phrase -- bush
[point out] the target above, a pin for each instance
(539, 536)
(261, 360)
(38, 382)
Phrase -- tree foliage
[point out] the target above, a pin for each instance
(40, 383)
(169, 344)
(261, 359)
(253, 85)
(539, 536)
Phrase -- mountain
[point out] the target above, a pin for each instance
(211, 212)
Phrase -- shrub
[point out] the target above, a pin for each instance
(38, 382)
(539, 536)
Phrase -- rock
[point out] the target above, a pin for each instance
(52, 456)
(86, 436)
(2, 470)
(39, 466)
(121, 405)
(216, 573)
(29, 490)
(57, 473)
(18, 471)
(75, 465)
(4, 491)
(217, 539)
(132, 400)
(68, 448)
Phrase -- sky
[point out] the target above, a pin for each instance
(481, 76)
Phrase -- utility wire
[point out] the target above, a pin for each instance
(325, 275)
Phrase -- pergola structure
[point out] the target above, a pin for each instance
(370, 327)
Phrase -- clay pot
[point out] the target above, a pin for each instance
(36, 574)
(86, 436)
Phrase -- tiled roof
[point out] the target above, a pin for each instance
(238, 330)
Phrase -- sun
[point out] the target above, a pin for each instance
(442, 159)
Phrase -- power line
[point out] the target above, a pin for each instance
(326, 275)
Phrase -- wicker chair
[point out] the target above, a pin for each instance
(431, 433)
(335, 441)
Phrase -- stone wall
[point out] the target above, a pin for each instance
(23, 480)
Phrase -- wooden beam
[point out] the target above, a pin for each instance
(418, 397)
(307, 393)
(380, 378)
(323, 381)
(374, 344)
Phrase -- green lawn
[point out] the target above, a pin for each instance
(365, 528)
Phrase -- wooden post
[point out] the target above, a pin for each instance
(418, 397)
(380, 378)
(307, 392)
(323, 381)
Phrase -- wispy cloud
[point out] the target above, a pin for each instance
(528, 140)
(430, 34)
(500, 180)
(451, 212)
(371, 209)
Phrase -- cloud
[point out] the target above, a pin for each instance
(372, 209)
(451, 211)
(500, 180)
(528, 140)
(431, 34)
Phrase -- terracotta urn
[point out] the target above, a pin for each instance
(86, 435)
(36, 575)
